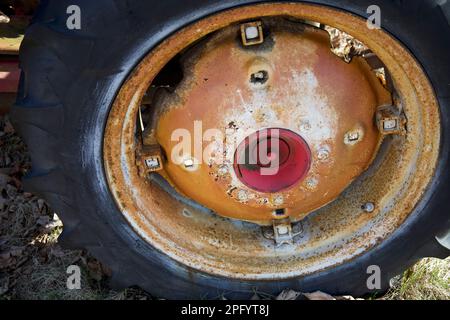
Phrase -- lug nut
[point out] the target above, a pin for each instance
(353, 137)
(223, 170)
(390, 124)
(188, 163)
(323, 154)
(278, 200)
(242, 195)
(282, 230)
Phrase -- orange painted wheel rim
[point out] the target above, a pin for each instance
(335, 233)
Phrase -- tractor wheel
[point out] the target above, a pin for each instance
(216, 148)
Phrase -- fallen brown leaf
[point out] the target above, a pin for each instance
(319, 295)
(288, 295)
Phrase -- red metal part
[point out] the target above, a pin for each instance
(9, 76)
(272, 160)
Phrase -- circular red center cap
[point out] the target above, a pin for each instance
(271, 160)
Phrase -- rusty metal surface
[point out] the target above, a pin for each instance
(332, 235)
(345, 46)
(309, 91)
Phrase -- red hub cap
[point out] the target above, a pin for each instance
(272, 160)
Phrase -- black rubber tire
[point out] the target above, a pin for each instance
(69, 80)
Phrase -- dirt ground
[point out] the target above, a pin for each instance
(33, 265)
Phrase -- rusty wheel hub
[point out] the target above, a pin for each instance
(357, 170)
(324, 106)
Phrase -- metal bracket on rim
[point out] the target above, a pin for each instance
(283, 232)
(390, 120)
(252, 33)
(150, 159)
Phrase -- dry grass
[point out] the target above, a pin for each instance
(429, 279)
(33, 266)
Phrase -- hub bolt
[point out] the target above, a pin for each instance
(188, 163)
(223, 170)
(282, 230)
(278, 200)
(353, 137)
(391, 124)
(368, 207)
(242, 195)
(323, 154)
